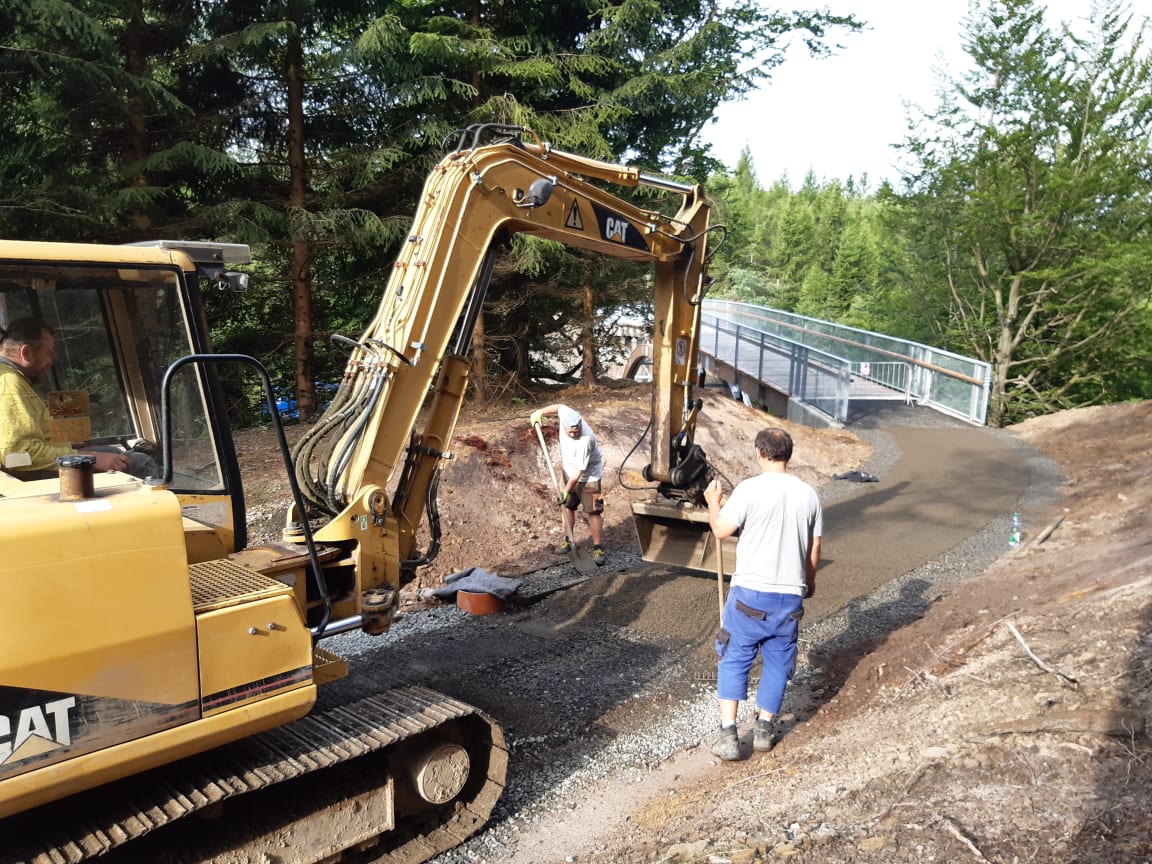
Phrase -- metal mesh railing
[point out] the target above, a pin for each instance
(813, 376)
(943, 380)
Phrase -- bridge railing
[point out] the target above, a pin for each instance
(813, 376)
(948, 382)
(892, 376)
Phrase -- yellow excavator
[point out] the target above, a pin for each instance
(153, 665)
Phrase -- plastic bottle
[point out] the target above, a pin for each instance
(1014, 536)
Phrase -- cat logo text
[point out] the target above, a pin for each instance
(35, 730)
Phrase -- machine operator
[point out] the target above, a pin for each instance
(26, 350)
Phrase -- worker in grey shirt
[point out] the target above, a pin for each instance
(780, 522)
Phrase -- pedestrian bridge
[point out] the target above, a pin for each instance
(813, 371)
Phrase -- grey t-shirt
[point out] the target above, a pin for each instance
(779, 515)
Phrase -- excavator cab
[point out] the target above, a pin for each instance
(123, 642)
(120, 318)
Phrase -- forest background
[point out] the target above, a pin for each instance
(1022, 233)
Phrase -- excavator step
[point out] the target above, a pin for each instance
(101, 821)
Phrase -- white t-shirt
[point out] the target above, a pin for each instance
(779, 515)
(581, 455)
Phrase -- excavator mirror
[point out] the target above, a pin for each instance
(539, 191)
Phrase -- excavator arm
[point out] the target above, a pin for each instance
(475, 199)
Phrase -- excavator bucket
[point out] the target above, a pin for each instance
(678, 535)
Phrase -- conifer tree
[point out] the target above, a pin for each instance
(1030, 205)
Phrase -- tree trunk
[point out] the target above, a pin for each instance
(523, 361)
(1007, 305)
(588, 377)
(479, 375)
(1001, 361)
(301, 245)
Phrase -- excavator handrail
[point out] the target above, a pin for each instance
(270, 399)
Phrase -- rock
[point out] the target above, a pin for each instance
(822, 835)
(872, 844)
(684, 852)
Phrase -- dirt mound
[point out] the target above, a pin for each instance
(497, 504)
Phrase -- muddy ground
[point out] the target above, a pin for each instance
(1004, 723)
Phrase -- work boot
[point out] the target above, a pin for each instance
(598, 555)
(726, 744)
(564, 548)
(763, 735)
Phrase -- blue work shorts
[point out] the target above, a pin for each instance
(757, 622)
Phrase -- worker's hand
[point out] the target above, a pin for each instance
(569, 499)
(537, 417)
(109, 461)
(713, 492)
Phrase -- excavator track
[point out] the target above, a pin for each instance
(321, 789)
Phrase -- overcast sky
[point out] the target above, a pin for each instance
(839, 115)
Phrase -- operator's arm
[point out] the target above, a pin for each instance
(107, 461)
(721, 527)
(813, 563)
(23, 429)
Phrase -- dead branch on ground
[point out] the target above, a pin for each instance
(1039, 538)
(1052, 670)
(955, 831)
(1114, 722)
(752, 777)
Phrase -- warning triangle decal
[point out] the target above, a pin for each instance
(574, 218)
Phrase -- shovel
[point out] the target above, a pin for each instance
(577, 556)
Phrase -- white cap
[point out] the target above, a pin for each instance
(569, 419)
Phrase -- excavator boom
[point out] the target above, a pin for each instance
(421, 334)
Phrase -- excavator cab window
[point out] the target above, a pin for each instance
(117, 330)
